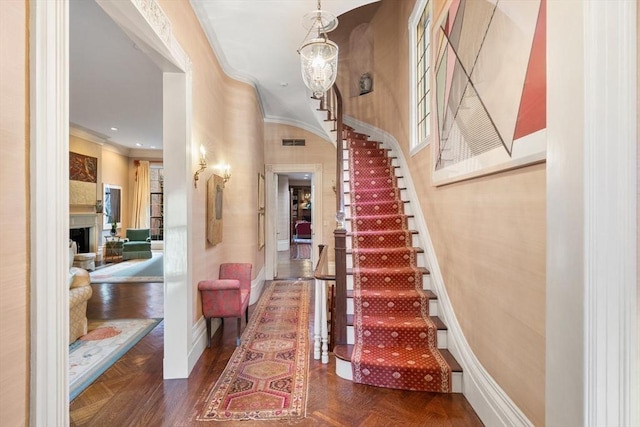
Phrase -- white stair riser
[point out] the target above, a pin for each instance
(343, 370)
(433, 307)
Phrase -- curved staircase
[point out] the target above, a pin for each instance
(394, 336)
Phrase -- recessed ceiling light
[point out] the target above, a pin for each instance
(114, 128)
(153, 146)
(138, 144)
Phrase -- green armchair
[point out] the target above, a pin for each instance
(137, 244)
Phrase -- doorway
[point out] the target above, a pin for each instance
(294, 225)
(278, 216)
(49, 147)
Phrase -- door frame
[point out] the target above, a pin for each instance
(271, 211)
(49, 194)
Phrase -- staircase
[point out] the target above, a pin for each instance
(394, 336)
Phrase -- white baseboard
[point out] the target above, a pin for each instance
(199, 329)
(257, 285)
(283, 245)
(199, 339)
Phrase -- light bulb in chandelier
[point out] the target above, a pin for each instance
(319, 55)
(319, 65)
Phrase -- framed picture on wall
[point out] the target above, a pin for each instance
(215, 193)
(261, 206)
(490, 113)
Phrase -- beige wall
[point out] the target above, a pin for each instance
(316, 151)
(14, 214)
(488, 233)
(227, 121)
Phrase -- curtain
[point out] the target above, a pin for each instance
(141, 195)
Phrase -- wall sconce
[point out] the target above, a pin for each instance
(226, 173)
(203, 166)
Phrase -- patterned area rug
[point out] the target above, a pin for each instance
(266, 377)
(134, 270)
(300, 251)
(105, 343)
(395, 339)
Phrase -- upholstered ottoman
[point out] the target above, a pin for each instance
(85, 260)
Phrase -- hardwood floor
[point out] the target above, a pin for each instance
(133, 393)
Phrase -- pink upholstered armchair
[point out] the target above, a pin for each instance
(227, 296)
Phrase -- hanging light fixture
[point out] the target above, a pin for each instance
(319, 55)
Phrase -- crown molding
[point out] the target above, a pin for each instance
(87, 134)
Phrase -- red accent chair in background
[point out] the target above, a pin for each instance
(227, 296)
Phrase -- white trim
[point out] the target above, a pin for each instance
(321, 132)
(491, 403)
(414, 18)
(49, 199)
(49, 404)
(610, 226)
(87, 134)
(271, 252)
(257, 285)
(146, 24)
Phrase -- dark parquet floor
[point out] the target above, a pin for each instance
(133, 393)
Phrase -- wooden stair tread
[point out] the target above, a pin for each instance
(435, 319)
(427, 292)
(344, 352)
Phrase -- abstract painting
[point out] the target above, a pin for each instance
(490, 80)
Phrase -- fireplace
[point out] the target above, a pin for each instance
(83, 229)
(82, 238)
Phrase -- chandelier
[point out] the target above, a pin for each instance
(319, 55)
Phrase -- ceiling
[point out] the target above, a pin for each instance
(115, 85)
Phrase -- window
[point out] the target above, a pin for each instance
(420, 55)
(157, 201)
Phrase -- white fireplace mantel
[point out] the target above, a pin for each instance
(90, 220)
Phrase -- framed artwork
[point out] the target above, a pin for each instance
(490, 88)
(83, 179)
(83, 168)
(112, 206)
(261, 206)
(215, 193)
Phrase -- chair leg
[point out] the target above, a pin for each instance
(239, 332)
(208, 322)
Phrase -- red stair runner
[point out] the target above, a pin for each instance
(395, 339)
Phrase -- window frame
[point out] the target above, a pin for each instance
(421, 8)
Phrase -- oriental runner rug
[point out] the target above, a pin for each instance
(266, 377)
(395, 339)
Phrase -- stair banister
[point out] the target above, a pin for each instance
(340, 233)
(331, 103)
(322, 276)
